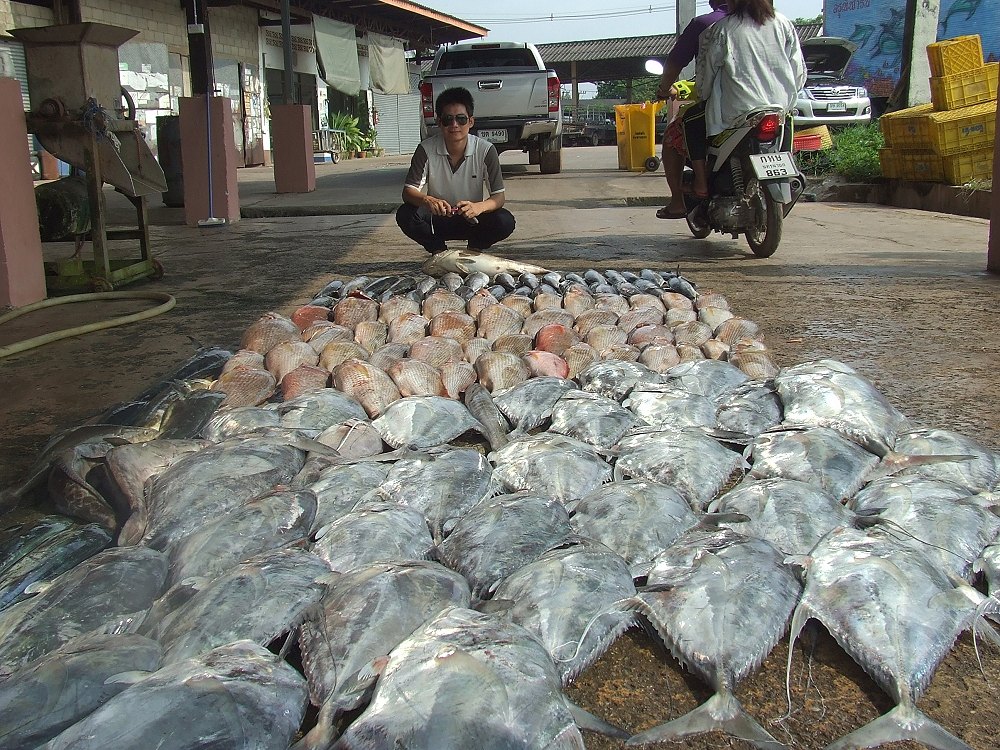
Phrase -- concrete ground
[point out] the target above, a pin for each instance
(900, 295)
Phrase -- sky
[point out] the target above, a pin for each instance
(575, 20)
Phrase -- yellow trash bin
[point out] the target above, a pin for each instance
(636, 129)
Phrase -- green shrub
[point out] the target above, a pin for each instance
(855, 152)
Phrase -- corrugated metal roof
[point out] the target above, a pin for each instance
(616, 59)
(622, 58)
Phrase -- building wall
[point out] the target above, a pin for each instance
(28, 16)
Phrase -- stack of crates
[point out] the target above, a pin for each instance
(951, 139)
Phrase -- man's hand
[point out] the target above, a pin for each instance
(468, 210)
(438, 206)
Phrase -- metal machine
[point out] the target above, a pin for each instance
(78, 116)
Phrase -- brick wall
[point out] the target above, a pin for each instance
(234, 29)
(28, 16)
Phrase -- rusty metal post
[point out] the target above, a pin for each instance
(993, 254)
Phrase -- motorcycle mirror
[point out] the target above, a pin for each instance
(654, 67)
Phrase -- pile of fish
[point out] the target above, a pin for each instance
(382, 339)
(431, 570)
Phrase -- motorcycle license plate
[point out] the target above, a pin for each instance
(494, 136)
(773, 166)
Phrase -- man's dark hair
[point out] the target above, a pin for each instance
(457, 95)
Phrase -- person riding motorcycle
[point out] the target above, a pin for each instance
(747, 60)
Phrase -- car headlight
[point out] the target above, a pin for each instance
(862, 93)
(804, 94)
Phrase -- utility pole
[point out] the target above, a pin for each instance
(920, 27)
(685, 14)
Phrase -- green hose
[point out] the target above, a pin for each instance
(167, 301)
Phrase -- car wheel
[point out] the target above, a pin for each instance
(550, 162)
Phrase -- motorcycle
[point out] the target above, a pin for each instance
(753, 182)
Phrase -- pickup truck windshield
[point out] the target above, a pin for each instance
(488, 59)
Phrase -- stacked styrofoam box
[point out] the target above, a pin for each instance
(950, 140)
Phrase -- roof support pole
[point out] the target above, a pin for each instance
(685, 14)
(993, 256)
(286, 48)
(576, 91)
(920, 28)
(200, 47)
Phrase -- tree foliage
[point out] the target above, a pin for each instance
(804, 21)
(643, 89)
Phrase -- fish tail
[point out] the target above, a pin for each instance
(320, 737)
(904, 722)
(893, 463)
(721, 712)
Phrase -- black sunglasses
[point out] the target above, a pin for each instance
(448, 120)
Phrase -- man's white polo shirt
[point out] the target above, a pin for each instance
(431, 172)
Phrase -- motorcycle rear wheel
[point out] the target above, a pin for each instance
(765, 237)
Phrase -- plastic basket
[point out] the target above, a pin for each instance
(807, 143)
(945, 133)
(962, 168)
(957, 55)
(965, 89)
(890, 122)
(920, 166)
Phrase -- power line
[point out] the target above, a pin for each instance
(577, 16)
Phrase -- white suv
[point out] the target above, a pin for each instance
(825, 100)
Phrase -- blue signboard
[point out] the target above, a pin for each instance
(876, 26)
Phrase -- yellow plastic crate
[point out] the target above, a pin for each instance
(965, 89)
(926, 166)
(962, 168)
(890, 122)
(919, 166)
(952, 56)
(954, 131)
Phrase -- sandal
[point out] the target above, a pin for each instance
(665, 213)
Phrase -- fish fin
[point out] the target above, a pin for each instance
(587, 721)
(893, 463)
(800, 617)
(493, 606)
(37, 587)
(904, 722)
(720, 712)
(370, 671)
(319, 737)
(127, 678)
(714, 519)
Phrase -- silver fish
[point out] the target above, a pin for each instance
(376, 532)
(635, 518)
(340, 489)
(480, 404)
(615, 379)
(695, 464)
(56, 555)
(668, 405)
(751, 408)
(591, 418)
(470, 680)
(725, 602)
(361, 618)
(500, 535)
(569, 594)
(896, 615)
(277, 519)
(530, 403)
(791, 515)
(421, 422)
(319, 410)
(979, 472)
(75, 680)
(202, 485)
(550, 464)
(258, 600)
(467, 261)
(443, 487)
(709, 378)
(827, 393)
(88, 597)
(818, 455)
(238, 694)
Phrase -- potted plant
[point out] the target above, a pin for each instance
(352, 135)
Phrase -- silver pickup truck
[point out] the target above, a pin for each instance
(517, 101)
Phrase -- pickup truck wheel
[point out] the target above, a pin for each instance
(595, 140)
(551, 162)
(534, 155)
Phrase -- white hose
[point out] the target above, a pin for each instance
(167, 303)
